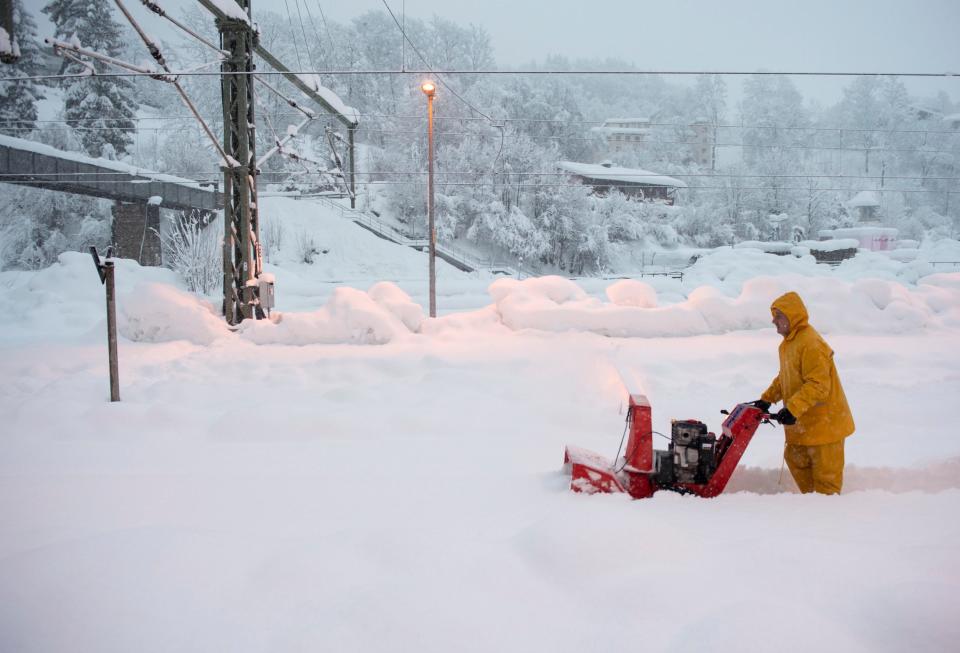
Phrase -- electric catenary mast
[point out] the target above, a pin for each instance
(241, 228)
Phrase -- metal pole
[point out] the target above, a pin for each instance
(353, 168)
(241, 213)
(430, 225)
(112, 331)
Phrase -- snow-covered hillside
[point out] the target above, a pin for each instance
(356, 477)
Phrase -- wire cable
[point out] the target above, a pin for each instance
(324, 19)
(434, 71)
(306, 43)
(25, 180)
(430, 68)
(583, 122)
(293, 35)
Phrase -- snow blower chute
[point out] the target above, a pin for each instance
(696, 462)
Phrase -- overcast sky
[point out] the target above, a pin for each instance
(809, 35)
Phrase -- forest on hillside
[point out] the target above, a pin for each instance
(499, 138)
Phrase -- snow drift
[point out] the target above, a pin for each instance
(864, 306)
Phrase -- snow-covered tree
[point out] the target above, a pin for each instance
(101, 108)
(37, 225)
(774, 122)
(710, 105)
(18, 98)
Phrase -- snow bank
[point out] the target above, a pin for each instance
(862, 306)
(398, 303)
(67, 297)
(765, 246)
(630, 292)
(156, 312)
(173, 507)
(350, 316)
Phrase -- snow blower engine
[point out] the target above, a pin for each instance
(695, 462)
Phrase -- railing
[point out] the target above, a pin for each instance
(673, 274)
(392, 233)
(955, 264)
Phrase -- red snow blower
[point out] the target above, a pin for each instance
(696, 462)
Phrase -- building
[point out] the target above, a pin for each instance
(702, 146)
(634, 135)
(625, 134)
(865, 205)
(632, 182)
(870, 234)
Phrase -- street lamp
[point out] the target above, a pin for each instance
(429, 89)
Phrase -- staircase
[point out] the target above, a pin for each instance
(455, 257)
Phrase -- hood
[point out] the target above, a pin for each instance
(792, 306)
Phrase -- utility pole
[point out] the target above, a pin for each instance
(106, 271)
(430, 90)
(241, 225)
(241, 244)
(351, 132)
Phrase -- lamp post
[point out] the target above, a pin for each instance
(430, 89)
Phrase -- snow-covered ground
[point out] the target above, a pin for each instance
(354, 477)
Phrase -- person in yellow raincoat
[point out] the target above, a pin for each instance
(815, 413)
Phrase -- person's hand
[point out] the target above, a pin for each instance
(784, 416)
(761, 404)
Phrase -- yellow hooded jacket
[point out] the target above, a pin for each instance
(808, 382)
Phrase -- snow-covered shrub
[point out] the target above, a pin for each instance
(271, 237)
(306, 247)
(36, 226)
(193, 248)
(703, 226)
(510, 229)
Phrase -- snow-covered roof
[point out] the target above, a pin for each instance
(616, 173)
(622, 130)
(771, 247)
(864, 198)
(953, 117)
(832, 245)
(859, 232)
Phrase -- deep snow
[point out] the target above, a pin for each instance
(355, 477)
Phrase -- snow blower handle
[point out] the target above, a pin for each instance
(765, 417)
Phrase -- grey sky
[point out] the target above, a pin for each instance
(823, 35)
(813, 35)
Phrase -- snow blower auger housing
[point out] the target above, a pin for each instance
(696, 462)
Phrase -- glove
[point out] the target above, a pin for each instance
(784, 416)
(761, 404)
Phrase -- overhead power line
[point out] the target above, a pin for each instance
(639, 176)
(435, 71)
(430, 68)
(475, 184)
(879, 130)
